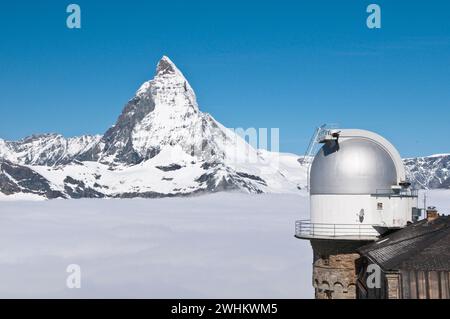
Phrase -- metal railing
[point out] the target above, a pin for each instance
(306, 229)
(396, 193)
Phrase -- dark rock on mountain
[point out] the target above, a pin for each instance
(19, 179)
(429, 172)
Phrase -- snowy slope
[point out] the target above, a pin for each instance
(162, 176)
(47, 149)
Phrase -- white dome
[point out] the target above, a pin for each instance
(352, 166)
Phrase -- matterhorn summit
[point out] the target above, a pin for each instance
(161, 145)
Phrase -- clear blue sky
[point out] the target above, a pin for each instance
(287, 64)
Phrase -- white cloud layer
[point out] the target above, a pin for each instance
(215, 246)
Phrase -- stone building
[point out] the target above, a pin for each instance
(334, 268)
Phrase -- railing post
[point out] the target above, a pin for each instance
(334, 230)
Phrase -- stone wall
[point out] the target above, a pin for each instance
(335, 268)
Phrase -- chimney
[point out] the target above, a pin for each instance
(432, 213)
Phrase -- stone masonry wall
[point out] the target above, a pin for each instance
(335, 268)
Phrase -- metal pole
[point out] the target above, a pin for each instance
(424, 204)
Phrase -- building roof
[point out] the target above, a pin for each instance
(424, 245)
(352, 166)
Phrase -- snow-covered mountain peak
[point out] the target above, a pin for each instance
(167, 77)
(170, 88)
(166, 66)
(164, 111)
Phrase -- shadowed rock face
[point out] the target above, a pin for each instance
(77, 189)
(165, 66)
(169, 168)
(118, 146)
(19, 179)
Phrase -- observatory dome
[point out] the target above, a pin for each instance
(352, 166)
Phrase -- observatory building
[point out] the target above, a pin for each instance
(358, 192)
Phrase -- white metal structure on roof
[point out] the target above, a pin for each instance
(357, 187)
(380, 141)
